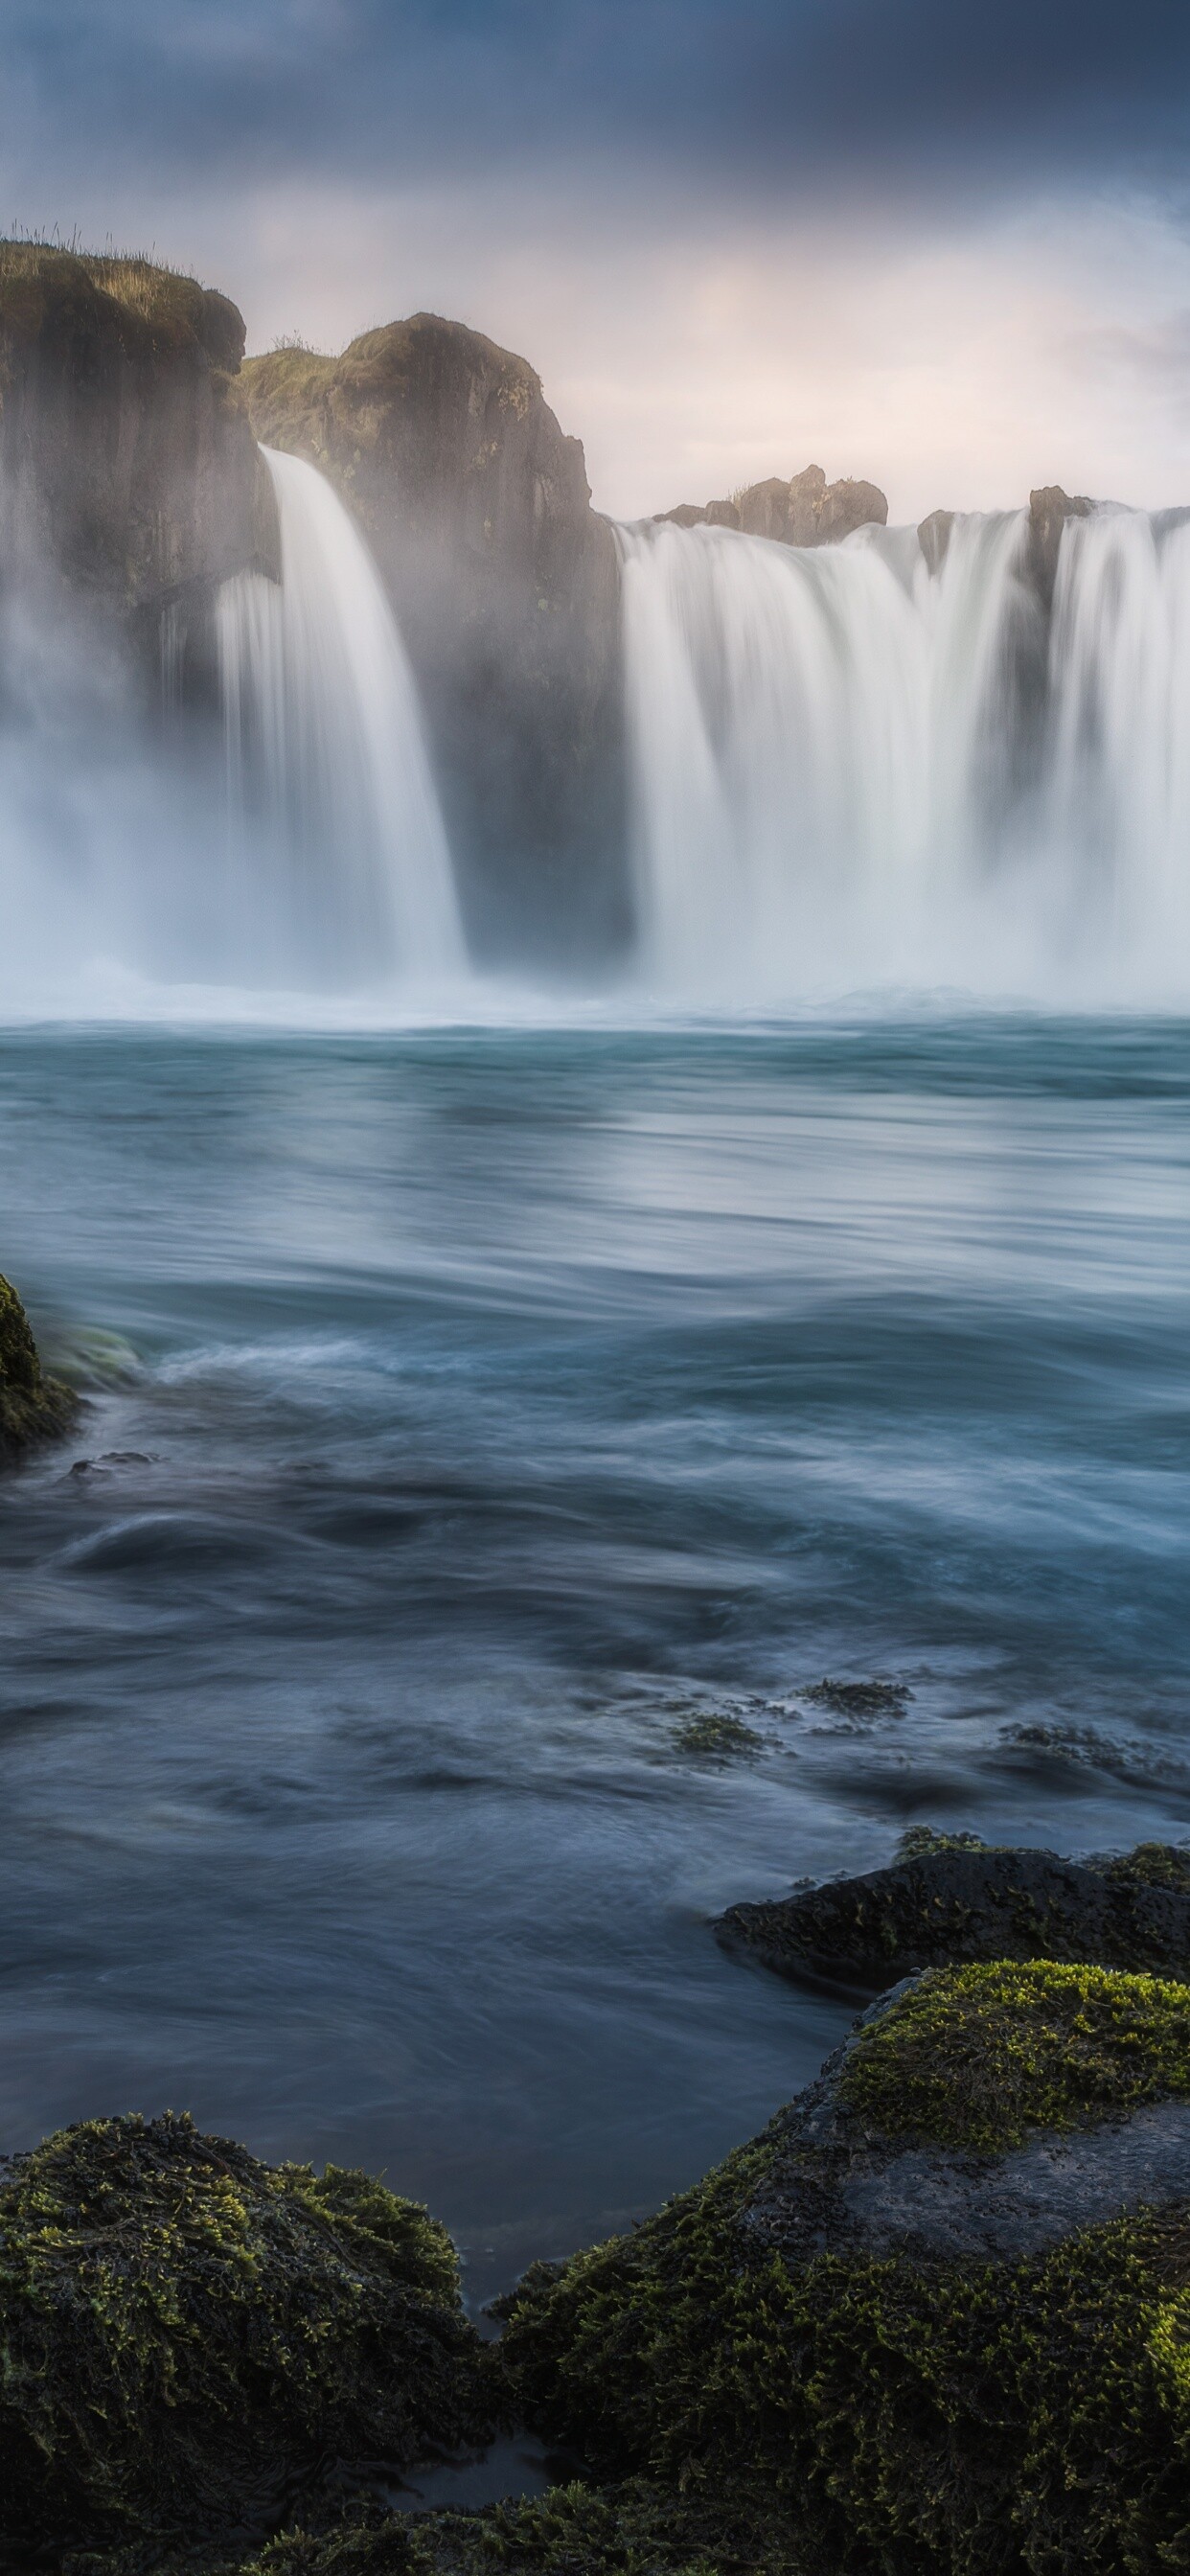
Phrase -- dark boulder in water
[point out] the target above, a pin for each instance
(934, 2317)
(33, 1407)
(953, 1899)
(188, 2333)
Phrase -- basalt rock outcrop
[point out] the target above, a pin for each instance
(807, 511)
(506, 585)
(33, 1407)
(1049, 510)
(952, 1898)
(128, 469)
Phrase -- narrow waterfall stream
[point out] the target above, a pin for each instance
(849, 770)
(326, 758)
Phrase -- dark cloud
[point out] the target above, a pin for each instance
(751, 96)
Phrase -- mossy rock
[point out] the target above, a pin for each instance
(187, 2333)
(33, 1406)
(952, 1898)
(577, 2530)
(930, 2357)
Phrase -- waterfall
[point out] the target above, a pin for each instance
(1120, 790)
(332, 799)
(849, 770)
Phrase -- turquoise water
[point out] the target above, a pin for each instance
(504, 1403)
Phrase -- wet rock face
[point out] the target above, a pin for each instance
(128, 469)
(1049, 510)
(955, 1902)
(188, 2332)
(33, 1407)
(506, 585)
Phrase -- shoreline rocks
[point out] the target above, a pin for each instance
(934, 2317)
(33, 1407)
(189, 2334)
(806, 2331)
(953, 1899)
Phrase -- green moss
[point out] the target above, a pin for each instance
(650, 2334)
(924, 2420)
(1149, 1865)
(33, 1407)
(917, 2418)
(922, 1842)
(575, 2530)
(717, 1737)
(975, 2057)
(183, 2330)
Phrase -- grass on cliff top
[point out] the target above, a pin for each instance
(151, 292)
(976, 2057)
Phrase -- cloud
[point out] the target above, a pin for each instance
(772, 96)
(947, 248)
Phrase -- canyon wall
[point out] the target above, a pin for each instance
(128, 469)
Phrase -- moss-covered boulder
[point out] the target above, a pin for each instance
(33, 1406)
(937, 2315)
(952, 1898)
(577, 2530)
(188, 2334)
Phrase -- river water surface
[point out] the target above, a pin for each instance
(490, 1412)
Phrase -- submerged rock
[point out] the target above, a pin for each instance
(33, 1407)
(953, 1898)
(936, 2316)
(188, 2333)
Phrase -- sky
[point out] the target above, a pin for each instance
(944, 246)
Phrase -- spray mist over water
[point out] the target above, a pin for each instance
(850, 771)
(850, 775)
(289, 862)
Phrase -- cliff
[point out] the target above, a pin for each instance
(806, 511)
(128, 467)
(506, 584)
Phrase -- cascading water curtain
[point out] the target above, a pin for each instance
(848, 771)
(1120, 786)
(336, 815)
